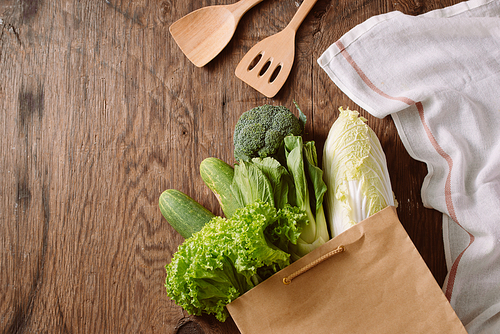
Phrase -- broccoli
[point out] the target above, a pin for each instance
(260, 131)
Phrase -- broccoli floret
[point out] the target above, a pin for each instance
(260, 131)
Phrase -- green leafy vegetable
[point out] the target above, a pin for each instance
(228, 257)
(309, 191)
(299, 183)
(285, 172)
(356, 172)
(261, 180)
(259, 132)
(251, 184)
(274, 202)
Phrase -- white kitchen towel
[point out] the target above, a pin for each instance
(438, 76)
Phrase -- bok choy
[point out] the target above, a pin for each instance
(355, 170)
(309, 191)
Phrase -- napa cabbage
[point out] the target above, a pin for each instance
(355, 170)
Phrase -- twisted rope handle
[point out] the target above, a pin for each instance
(287, 280)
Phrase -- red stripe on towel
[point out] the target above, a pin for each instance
(449, 203)
(447, 189)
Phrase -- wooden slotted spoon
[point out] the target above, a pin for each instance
(266, 66)
(203, 33)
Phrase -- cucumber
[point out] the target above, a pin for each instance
(183, 213)
(218, 176)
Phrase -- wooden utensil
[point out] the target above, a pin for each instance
(268, 63)
(202, 34)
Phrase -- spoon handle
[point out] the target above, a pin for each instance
(301, 14)
(241, 7)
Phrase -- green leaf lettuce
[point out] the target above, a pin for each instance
(228, 257)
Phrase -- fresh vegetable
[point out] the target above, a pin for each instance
(286, 174)
(263, 180)
(183, 213)
(218, 176)
(309, 191)
(259, 132)
(355, 170)
(273, 202)
(228, 257)
(299, 183)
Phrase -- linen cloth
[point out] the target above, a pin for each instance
(438, 76)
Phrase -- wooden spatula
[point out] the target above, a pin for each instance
(267, 64)
(203, 34)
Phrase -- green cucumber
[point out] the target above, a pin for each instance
(183, 213)
(218, 176)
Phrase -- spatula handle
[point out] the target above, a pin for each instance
(301, 14)
(241, 7)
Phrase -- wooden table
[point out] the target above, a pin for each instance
(101, 112)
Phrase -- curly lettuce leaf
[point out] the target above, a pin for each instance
(228, 257)
(285, 232)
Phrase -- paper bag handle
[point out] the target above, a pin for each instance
(287, 280)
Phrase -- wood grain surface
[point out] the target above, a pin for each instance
(100, 112)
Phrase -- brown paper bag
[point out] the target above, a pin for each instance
(377, 283)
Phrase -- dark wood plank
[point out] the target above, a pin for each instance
(101, 112)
